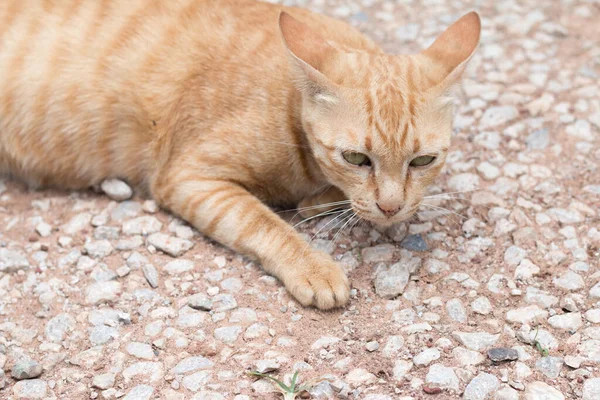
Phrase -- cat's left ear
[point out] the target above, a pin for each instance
(453, 49)
(310, 55)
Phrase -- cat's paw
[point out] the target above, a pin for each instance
(320, 282)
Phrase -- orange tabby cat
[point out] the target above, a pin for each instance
(217, 107)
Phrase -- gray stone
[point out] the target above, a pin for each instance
(426, 357)
(177, 267)
(150, 371)
(77, 223)
(140, 350)
(591, 389)
(102, 334)
(322, 390)
(3, 382)
(100, 292)
(140, 392)
(467, 357)
(414, 243)
(481, 305)
(538, 139)
(566, 216)
(456, 310)
(476, 340)
(173, 246)
(103, 381)
(151, 274)
(391, 282)
(126, 209)
(145, 225)
(540, 297)
(569, 281)
(594, 189)
(379, 253)
(264, 366)
(58, 327)
(542, 391)
(549, 366)
(372, 346)
(200, 302)
(98, 248)
(569, 321)
(499, 354)
(31, 389)
(397, 232)
(499, 115)
(12, 260)
(228, 334)
(26, 368)
(196, 381)
(191, 364)
(43, 229)
(442, 377)
(401, 368)
(464, 182)
(116, 189)
(481, 387)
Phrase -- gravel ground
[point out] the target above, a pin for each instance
(495, 296)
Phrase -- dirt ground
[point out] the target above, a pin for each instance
(505, 259)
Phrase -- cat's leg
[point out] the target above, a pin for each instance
(331, 199)
(231, 215)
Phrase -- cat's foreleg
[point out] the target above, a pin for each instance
(231, 215)
(328, 200)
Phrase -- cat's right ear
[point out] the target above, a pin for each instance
(309, 55)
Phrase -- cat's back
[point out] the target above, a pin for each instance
(88, 81)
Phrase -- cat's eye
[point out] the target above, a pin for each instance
(358, 159)
(422, 161)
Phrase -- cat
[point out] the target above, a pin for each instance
(222, 108)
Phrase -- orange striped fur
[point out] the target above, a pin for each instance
(218, 107)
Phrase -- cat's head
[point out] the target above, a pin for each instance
(379, 125)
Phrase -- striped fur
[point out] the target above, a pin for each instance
(215, 108)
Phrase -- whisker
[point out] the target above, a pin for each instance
(348, 221)
(447, 193)
(300, 209)
(445, 212)
(324, 213)
(324, 226)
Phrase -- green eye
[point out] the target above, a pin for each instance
(422, 161)
(355, 158)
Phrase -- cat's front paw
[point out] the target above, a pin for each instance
(319, 282)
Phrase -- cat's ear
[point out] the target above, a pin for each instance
(453, 49)
(310, 55)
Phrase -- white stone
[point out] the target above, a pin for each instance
(116, 189)
(542, 391)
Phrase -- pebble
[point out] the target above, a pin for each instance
(426, 357)
(360, 377)
(145, 225)
(391, 282)
(569, 321)
(30, 389)
(542, 391)
(569, 280)
(26, 369)
(151, 274)
(476, 340)
(101, 292)
(178, 267)
(228, 334)
(414, 243)
(499, 354)
(104, 381)
(140, 350)
(549, 366)
(442, 377)
(174, 247)
(116, 189)
(140, 392)
(481, 387)
(499, 115)
(191, 364)
(456, 310)
(466, 357)
(58, 327)
(591, 389)
(12, 260)
(379, 253)
(464, 182)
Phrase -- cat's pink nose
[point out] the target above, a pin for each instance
(389, 211)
